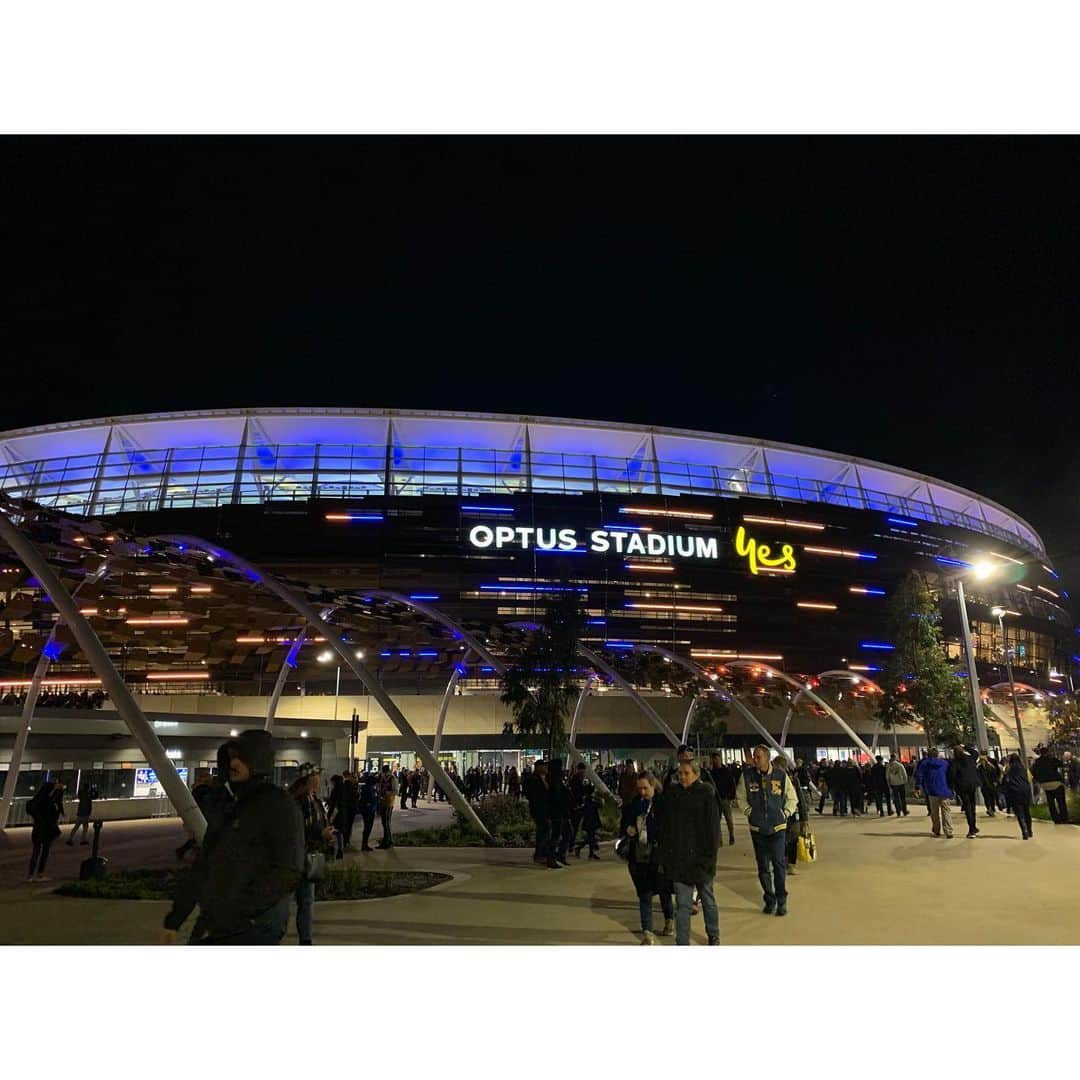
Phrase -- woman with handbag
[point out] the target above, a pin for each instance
(45, 811)
(318, 840)
(639, 833)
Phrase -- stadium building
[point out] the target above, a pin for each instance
(428, 531)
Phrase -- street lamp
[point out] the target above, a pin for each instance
(980, 570)
(999, 612)
(324, 658)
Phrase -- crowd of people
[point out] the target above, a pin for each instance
(265, 847)
(58, 699)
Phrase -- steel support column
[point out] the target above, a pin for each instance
(90, 644)
(283, 676)
(635, 697)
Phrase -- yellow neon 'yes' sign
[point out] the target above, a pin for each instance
(760, 555)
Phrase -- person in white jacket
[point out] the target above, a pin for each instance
(897, 776)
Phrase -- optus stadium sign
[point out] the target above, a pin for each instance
(599, 541)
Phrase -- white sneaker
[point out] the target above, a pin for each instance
(647, 938)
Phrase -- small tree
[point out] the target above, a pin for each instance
(919, 684)
(708, 722)
(540, 684)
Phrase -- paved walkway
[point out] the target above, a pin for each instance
(878, 881)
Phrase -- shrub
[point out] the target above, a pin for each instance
(498, 812)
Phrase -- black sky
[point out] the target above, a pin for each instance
(911, 300)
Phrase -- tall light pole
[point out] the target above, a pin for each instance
(981, 570)
(1000, 613)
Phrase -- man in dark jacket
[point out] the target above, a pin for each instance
(580, 786)
(537, 794)
(879, 786)
(559, 809)
(964, 779)
(251, 860)
(1046, 772)
(690, 838)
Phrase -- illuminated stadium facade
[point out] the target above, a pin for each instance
(712, 547)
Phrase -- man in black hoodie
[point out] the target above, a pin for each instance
(965, 780)
(250, 860)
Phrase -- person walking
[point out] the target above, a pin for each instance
(1046, 772)
(45, 812)
(246, 872)
(368, 808)
(403, 787)
(640, 825)
(1017, 791)
(559, 810)
(537, 794)
(350, 807)
(989, 781)
(82, 814)
(965, 780)
(897, 777)
(769, 799)
(932, 777)
(318, 844)
(414, 787)
(798, 824)
(726, 782)
(388, 787)
(590, 822)
(335, 813)
(879, 786)
(689, 841)
(580, 786)
(627, 783)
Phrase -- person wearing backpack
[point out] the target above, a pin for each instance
(1017, 791)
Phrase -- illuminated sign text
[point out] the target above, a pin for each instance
(761, 556)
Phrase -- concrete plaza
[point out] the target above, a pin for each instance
(877, 881)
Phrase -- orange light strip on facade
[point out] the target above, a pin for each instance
(163, 590)
(650, 566)
(773, 570)
(832, 551)
(816, 607)
(697, 515)
(251, 640)
(673, 607)
(1049, 592)
(859, 667)
(1025, 588)
(728, 654)
(156, 622)
(176, 676)
(785, 521)
(52, 682)
(202, 588)
(78, 539)
(1007, 558)
(88, 611)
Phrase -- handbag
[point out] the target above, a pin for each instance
(622, 847)
(314, 865)
(806, 849)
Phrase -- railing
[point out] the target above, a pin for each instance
(212, 476)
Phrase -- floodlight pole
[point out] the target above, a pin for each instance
(1012, 688)
(973, 676)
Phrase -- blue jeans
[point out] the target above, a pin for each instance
(645, 908)
(684, 899)
(769, 851)
(305, 909)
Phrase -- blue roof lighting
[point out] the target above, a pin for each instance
(522, 587)
(875, 592)
(884, 646)
(294, 651)
(487, 509)
(355, 517)
(596, 622)
(904, 522)
(461, 670)
(864, 555)
(487, 668)
(423, 596)
(618, 644)
(428, 652)
(945, 561)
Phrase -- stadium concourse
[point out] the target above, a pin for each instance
(875, 882)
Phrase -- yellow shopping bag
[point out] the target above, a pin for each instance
(806, 850)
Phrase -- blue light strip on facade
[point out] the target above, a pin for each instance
(487, 509)
(423, 596)
(959, 563)
(629, 528)
(596, 622)
(903, 521)
(618, 644)
(357, 517)
(882, 645)
(562, 551)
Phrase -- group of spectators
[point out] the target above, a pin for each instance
(52, 699)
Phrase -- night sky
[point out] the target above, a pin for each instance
(916, 301)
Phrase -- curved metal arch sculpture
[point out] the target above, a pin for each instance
(98, 657)
(742, 708)
(374, 686)
(804, 689)
(853, 676)
(481, 650)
